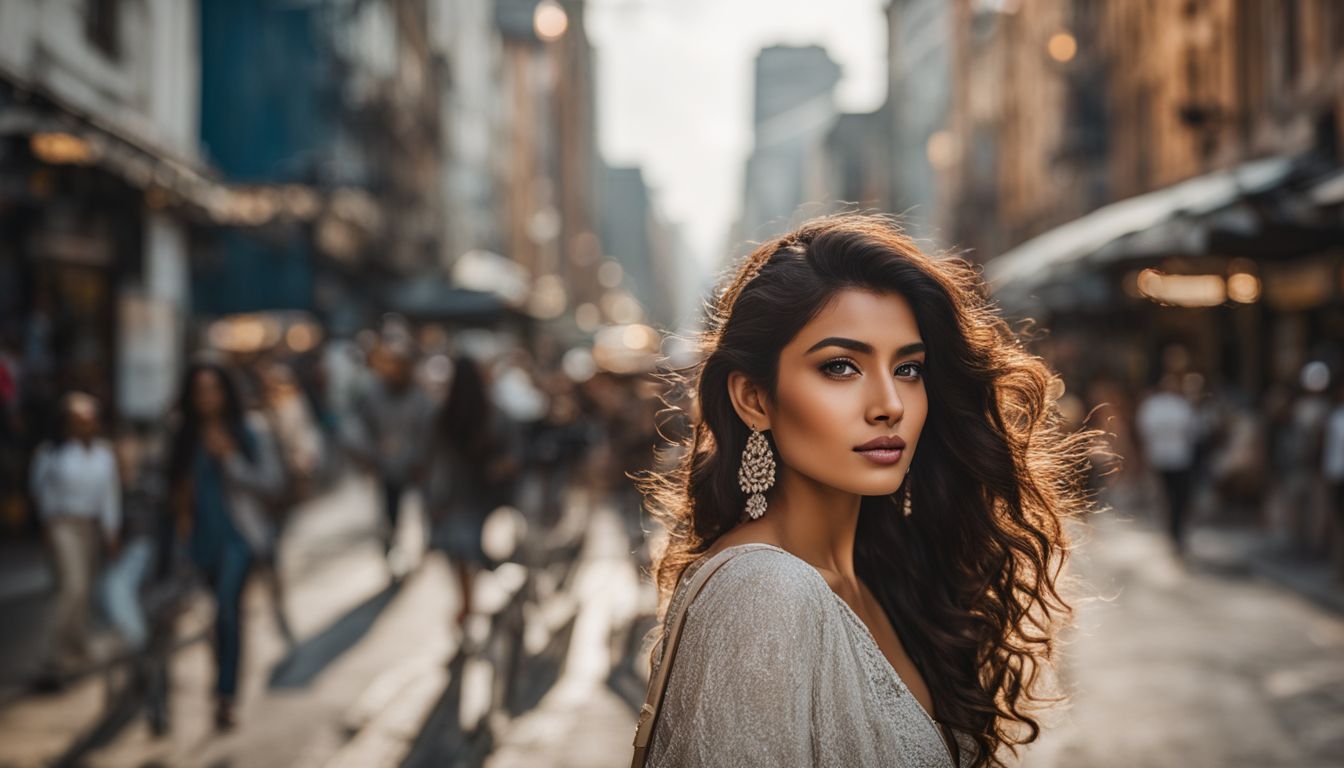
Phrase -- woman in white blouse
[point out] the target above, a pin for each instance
(876, 610)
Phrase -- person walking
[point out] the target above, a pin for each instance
(77, 488)
(474, 463)
(222, 470)
(300, 449)
(393, 418)
(1332, 470)
(1167, 429)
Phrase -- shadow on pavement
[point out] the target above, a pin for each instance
(307, 659)
(442, 740)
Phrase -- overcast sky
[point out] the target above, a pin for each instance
(674, 90)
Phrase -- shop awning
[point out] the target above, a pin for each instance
(63, 138)
(1153, 214)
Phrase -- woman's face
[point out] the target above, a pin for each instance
(851, 375)
(207, 394)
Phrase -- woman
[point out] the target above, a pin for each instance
(222, 470)
(879, 610)
(473, 463)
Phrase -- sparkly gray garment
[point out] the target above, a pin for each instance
(774, 668)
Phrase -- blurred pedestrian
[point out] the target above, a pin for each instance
(1239, 466)
(1302, 456)
(393, 417)
(300, 448)
(222, 470)
(473, 467)
(11, 437)
(77, 488)
(1167, 427)
(1332, 470)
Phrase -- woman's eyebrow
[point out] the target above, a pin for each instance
(862, 346)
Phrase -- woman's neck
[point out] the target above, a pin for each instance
(814, 522)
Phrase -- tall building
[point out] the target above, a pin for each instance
(919, 80)
(794, 112)
(636, 237)
(101, 189)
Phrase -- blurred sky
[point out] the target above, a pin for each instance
(674, 90)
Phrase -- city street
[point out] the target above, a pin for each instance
(1193, 666)
(523, 275)
(1199, 665)
(355, 632)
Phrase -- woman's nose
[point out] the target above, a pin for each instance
(886, 404)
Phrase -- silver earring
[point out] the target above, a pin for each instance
(756, 473)
(908, 508)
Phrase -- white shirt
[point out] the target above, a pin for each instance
(1167, 425)
(75, 480)
(1332, 463)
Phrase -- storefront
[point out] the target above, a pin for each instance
(1240, 269)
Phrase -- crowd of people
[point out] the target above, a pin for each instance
(133, 537)
(1273, 462)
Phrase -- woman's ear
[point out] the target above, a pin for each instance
(748, 400)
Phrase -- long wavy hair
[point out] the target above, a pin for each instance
(971, 580)
(188, 429)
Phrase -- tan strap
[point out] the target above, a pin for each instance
(653, 698)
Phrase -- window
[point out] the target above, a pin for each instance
(102, 26)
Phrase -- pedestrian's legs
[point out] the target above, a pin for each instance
(465, 572)
(1337, 502)
(270, 574)
(1177, 484)
(392, 492)
(74, 543)
(121, 591)
(230, 578)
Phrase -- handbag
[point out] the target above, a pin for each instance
(653, 697)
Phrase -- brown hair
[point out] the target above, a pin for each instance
(972, 583)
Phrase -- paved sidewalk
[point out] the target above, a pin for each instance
(1191, 665)
(581, 722)
(337, 589)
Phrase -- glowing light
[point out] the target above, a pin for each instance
(549, 297)
(1243, 288)
(549, 20)
(303, 337)
(942, 149)
(1062, 47)
(639, 337)
(610, 274)
(587, 317)
(61, 149)
(1182, 290)
(244, 333)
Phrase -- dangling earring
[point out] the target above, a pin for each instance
(756, 473)
(908, 508)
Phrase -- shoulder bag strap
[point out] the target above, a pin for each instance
(648, 714)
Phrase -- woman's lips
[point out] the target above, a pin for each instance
(882, 456)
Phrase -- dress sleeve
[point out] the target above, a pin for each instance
(743, 688)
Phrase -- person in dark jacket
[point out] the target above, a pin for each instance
(222, 470)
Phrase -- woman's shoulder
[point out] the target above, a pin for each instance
(761, 580)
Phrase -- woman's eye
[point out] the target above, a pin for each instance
(836, 367)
